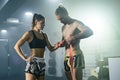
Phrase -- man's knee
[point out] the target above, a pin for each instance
(68, 75)
(79, 73)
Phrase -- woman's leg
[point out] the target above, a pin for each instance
(30, 76)
(41, 78)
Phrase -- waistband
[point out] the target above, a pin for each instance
(38, 59)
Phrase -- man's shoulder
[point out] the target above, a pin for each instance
(63, 27)
(78, 22)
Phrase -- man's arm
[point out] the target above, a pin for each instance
(62, 42)
(85, 31)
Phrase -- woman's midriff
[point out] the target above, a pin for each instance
(38, 52)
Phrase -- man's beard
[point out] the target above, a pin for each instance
(64, 21)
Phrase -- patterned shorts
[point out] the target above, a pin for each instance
(78, 61)
(36, 66)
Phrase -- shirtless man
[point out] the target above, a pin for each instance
(72, 32)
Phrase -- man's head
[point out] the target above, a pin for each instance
(61, 13)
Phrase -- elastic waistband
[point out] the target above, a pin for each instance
(73, 56)
(38, 59)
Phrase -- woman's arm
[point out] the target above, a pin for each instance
(19, 43)
(49, 46)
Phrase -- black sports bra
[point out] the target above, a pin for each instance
(37, 43)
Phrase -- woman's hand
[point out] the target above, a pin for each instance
(56, 46)
(29, 59)
(61, 43)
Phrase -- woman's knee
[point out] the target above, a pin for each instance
(30, 76)
(41, 78)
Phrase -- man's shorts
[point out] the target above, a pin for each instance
(36, 66)
(78, 61)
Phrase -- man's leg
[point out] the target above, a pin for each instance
(79, 73)
(41, 78)
(68, 75)
(67, 69)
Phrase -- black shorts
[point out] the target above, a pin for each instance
(36, 66)
(78, 61)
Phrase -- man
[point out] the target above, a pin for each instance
(72, 32)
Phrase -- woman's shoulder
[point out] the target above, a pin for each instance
(28, 33)
(44, 34)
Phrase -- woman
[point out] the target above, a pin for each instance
(37, 40)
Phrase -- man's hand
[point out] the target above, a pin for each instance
(69, 39)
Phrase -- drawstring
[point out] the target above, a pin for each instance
(71, 57)
(71, 63)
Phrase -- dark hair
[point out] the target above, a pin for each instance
(61, 11)
(37, 17)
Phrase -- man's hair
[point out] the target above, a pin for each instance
(61, 11)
